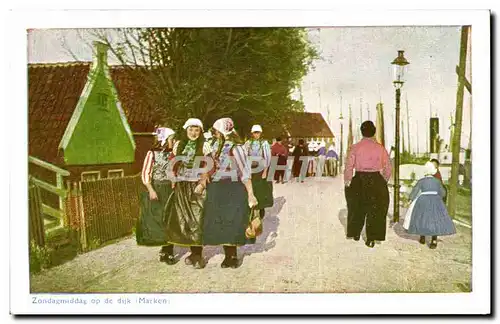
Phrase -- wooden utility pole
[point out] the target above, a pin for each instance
(408, 124)
(451, 131)
(417, 150)
(341, 119)
(379, 122)
(427, 136)
(360, 110)
(329, 121)
(462, 83)
(349, 134)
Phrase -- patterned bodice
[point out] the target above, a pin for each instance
(160, 166)
(255, 148)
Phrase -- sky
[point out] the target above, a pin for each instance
(354, 65)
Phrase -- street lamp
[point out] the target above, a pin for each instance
(399, 65)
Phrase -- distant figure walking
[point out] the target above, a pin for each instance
(300, 150)
(440, 178)
(331, 161)
(366, 193)
(427, 214)
(280, 151)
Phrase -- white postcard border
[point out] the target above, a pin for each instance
(462, 303)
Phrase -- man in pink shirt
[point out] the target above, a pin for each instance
(366, 192)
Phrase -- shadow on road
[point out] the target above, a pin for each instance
(401, 232)
(343, 220)
(265, 242)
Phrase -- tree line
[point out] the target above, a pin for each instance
(247, 74)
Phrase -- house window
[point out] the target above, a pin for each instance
(117, 173)
(91, 175)
(102, 100)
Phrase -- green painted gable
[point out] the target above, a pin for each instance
(99, 132)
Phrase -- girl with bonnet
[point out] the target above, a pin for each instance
(184, 210)
(230, 194)
(427, 214)
(259, 148)
(150, 228)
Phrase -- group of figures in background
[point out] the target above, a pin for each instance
(321, 160)
(366, 176)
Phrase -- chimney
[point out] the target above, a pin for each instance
(100, 54)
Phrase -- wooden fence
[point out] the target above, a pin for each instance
(103, 210)
(35, 216)
(44, 218)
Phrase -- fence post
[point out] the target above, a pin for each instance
(81, 212)
(36, 225)
(62, 204)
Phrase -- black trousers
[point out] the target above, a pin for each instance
(367, 201)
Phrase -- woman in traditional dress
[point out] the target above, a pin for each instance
(150, 229)
(366, 193)
(427, 214)
(281, 152)
(230, 194)
(299, 151)
(184, 210)
(322, 159)
(262, 188)
(331, 161)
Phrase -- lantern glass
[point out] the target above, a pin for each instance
(399, 69)
(399, 73)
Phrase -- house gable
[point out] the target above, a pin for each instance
(98, 132)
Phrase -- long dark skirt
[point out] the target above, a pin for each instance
(297, 166)
(263, 191)
(367, 199)
(150, 227)
(279, 175)
(226, 214)
(184, 215)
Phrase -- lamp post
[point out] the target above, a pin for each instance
(399, 65)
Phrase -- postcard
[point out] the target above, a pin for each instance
(215, 163)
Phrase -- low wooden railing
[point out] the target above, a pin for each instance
(58, 189)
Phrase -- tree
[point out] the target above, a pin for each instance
(244, 73)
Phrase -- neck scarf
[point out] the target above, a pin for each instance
(189, 152)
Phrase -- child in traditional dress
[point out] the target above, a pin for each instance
(230, 194)
(427, 214)
(184, 210)
(150, 229)
(258, 148)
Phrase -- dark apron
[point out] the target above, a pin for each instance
(150, 227)
(263, 191)
(226, 214)
(184, 215)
